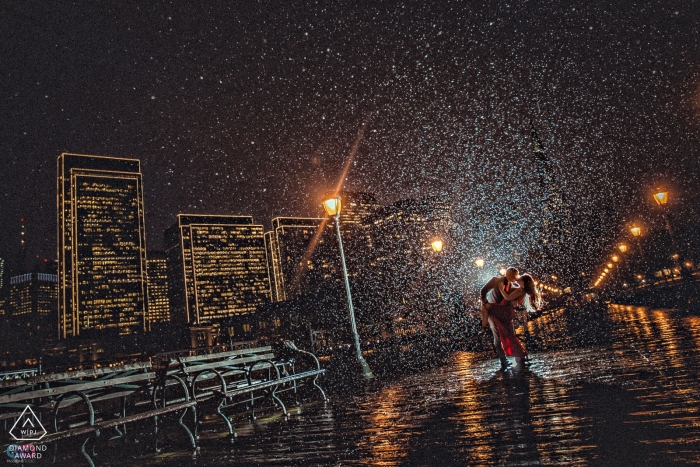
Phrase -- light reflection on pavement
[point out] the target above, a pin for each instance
(633, 398)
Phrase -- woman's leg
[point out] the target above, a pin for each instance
(497, 347)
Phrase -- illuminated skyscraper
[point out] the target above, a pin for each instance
(299, 255)
(217, 267)
(32, 302)
(158, 296)
(33, 293)
(101, 245)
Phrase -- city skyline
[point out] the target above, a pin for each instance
(445, 94)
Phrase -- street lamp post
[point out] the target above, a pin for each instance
(637, 232)
(332, 207)
(661, 198)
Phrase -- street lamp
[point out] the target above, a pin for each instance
(437, 245)
(661, 198)
(332, 207)
(637, 232)
(502, 271)
(615, 258)
(479, 263)
(622, 247)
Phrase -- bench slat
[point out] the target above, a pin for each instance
(200, 358)
(227, 363)
(33, 381)
(36, 394)
(267, 384)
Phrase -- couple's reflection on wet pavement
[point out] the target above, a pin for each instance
(607, 386)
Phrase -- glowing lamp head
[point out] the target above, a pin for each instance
(502, 271)
(636, 231)
(615, 258)
(605, 270)
(610, 265)
(332, 206)
(622, 247)
(479, 263)
(437, 245)
(661, 197)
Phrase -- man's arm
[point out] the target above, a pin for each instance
(485, 289)
(517, 292)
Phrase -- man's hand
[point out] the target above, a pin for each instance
(484, 316)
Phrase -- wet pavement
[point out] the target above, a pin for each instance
(605, 387)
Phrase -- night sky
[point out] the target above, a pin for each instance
(252, 108)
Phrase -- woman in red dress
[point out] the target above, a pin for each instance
(501, 314)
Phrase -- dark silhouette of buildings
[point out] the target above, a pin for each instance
(300, 260)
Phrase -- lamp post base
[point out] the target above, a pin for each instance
(366, 372)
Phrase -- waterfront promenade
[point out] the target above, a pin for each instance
(618, 386)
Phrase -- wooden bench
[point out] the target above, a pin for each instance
(268, 378)
(171, 382)
(52, 392)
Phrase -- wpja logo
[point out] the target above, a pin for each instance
(28, 427)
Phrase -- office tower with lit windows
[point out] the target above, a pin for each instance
(2, 274)
(158, 295)
(32, 302)
(33, 293)
(217, 268)
(299, 255)
(101, 246)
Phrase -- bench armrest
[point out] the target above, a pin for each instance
(292, 347)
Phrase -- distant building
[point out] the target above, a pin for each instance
(158, 295)
(298, 254)
(101, 245)
(399, 281)
(217, 268)
(555, 238)
(355, 207)
(32, 302)
(409, 224)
